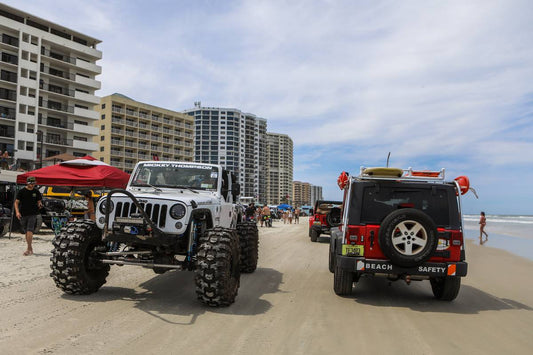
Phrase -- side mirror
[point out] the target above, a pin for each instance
(236, 189)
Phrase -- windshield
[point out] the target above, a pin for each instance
(176, 175)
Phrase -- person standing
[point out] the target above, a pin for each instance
(297, 216)
(265, 212)
(90, 214)
(27, 206)
(482, 224)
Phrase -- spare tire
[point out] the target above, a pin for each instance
(334, 216)
(408, 237)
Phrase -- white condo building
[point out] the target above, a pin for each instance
(235, 140)
(47, 88)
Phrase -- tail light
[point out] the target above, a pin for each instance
(354, 234)
(457, 238)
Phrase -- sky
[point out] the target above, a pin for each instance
(438, 84)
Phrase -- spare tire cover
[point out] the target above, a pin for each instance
(408, 237)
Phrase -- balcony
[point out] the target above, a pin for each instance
(9, 95)
(7, 113)
(57, 89)
(10, 40)
(64, 74)
(56, 106)
(85, 113)
(9, 58)
(57, 56)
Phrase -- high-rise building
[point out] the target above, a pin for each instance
(235, 140)
(131, 131)
(316, 194)
(301, 193)
(47, 88)
(279, 168)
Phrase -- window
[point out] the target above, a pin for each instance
(101, 149)
(103, 117)
(102, 127)
(78, 138)
(103, 106)
(102, 138)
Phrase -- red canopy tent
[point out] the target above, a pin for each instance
(78, 172)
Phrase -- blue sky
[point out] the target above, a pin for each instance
(436, 83)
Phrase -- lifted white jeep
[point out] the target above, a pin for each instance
(172, 215)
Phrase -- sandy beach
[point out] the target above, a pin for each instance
(286, 307)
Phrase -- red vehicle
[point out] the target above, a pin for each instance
(326, 214)
(403, 225)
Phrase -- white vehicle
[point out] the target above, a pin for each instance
(172, 215)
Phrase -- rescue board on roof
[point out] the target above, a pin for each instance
(384, 172)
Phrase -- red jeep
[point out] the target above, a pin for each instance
(400, 224)
(326, 214)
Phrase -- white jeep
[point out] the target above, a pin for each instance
(172, 215)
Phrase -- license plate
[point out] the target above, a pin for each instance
(129, 220)
(353, 250)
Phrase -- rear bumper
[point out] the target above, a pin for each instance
(372, 266)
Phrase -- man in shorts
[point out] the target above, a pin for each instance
(27, 206)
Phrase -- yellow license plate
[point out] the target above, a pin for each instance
(353, 250)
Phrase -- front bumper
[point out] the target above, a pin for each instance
(373, 266)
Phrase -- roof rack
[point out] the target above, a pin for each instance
(400, 174)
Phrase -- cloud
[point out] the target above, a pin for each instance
(435, 83)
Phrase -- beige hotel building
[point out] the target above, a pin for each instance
(131, 131)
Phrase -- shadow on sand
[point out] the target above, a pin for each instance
(419, 297)
(173, 294)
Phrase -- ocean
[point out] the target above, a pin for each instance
(509, 232)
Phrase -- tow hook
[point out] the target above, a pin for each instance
(407, 279)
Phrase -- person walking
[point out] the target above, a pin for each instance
(27, 206)
(90, 214)
(482, 224)
(297, 216)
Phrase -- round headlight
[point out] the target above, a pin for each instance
(177, 211)
(103, 205)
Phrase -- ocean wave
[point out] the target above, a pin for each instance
(501, 219)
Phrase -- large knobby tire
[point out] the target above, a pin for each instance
(217, 268)
(249, 244)
(408, 237)
(334, 217)
(332, 261)
(76, 268)
(445, 288)
(342, 281)
(314, 235)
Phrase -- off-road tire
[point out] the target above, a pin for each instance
(415, 245)
(249, 244)
(217, 274)
(332, 261)
(333, 218)
(342, 281)
(445, 288)
(314, 235)
(75, 266)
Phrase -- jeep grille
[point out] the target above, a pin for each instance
(156, 212)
